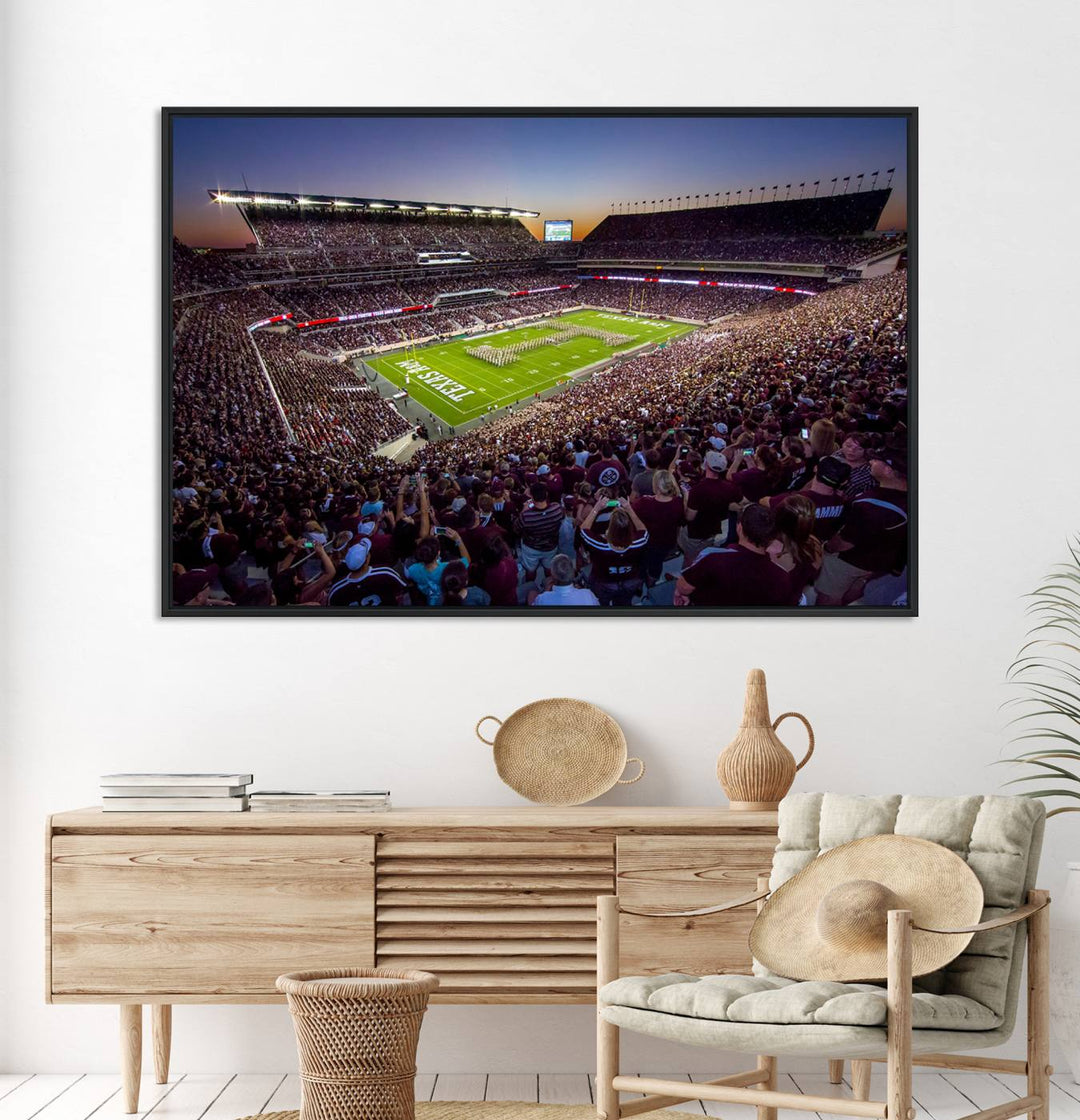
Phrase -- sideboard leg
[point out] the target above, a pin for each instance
(836, 1071)
(161, 1022)
(131, 1053)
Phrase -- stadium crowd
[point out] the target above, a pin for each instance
(843, 251)
(392, 238)
(761, 462)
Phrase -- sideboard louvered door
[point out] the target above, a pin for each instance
(494, 918)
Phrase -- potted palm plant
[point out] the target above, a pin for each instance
(1046, 674)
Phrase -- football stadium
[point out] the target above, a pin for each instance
(415, 404)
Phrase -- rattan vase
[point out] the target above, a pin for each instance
(356, 1034)
(756, 769)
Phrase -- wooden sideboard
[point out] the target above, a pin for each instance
(500, 903)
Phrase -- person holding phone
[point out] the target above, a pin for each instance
(618, 556)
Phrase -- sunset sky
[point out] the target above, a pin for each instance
(564, 167)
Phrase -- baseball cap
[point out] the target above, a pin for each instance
(833, 472)
(543, 469)
(721, 427)
(894, 457)
(366, 528)
(716, 460)
(458, 504)
(357, 556)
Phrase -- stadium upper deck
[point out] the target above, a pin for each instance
(317, 234)
(821, 231)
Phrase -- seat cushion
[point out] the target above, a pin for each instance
(774, 1000)
(808, 1041)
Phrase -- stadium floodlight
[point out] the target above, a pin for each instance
(434, 209)
(478, 210)
(378, 205)
(407, 206)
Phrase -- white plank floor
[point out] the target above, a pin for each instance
(202, 1096)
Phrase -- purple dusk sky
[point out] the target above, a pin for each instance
(565, 167)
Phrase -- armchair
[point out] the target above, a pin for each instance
(970, 1004)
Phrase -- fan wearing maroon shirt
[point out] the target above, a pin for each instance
(743, 575)
(707, 505)
(661, 512)
(826, 493)
(607, 470)
(498, 572)
(873, 539)
(801, 552)
(570, 473)
(364, 585)
(757, 475)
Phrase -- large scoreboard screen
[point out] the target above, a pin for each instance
(560, 230)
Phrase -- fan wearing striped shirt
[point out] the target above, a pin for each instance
(618, 556)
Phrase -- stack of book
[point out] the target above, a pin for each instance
(174, 793)
(313, 801)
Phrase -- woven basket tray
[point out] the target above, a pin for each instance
(560, 752)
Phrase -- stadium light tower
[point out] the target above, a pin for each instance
(817, 183)
(727, 198)
(847, 182)
(889, 171)
(774, 190)
(788, 195)
(802, 187)
(873, 180)
(833, 191)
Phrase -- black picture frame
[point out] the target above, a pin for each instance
(170, 114)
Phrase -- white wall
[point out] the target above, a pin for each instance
(99, 682)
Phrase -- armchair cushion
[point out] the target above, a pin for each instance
(781, 1002)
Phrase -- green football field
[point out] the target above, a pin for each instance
(459, 387)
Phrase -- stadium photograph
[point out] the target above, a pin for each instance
(496, 362)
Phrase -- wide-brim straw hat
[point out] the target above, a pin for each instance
(829, 921)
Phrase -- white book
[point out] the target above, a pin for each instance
(174, 804)
(318, 807)
(296, 794)
(176, 779)
(173, 791)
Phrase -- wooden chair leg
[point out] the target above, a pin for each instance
(768, 1063)
(130, 1053)
(836, 1071)
(1038, 1009)
(607, 1034)
(898, 1002)
(161, 1029)
(860, 1078)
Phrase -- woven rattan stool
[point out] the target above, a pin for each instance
(356, 1031)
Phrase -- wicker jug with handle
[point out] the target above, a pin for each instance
(756, 769)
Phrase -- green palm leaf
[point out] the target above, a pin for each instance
(1047, 702)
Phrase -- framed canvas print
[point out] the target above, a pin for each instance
(490, 362)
